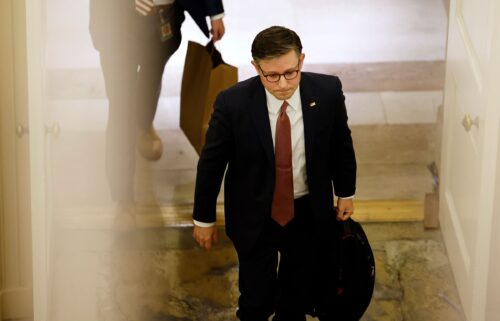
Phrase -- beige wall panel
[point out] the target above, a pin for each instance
(9, 235)
(15, 222)
(22, 144)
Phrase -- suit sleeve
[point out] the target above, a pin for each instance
(200, 9)
(212, 163)
(344, 159)
(213, 7)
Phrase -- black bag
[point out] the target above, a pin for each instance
(348, 276)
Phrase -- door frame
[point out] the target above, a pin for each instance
(35, 27)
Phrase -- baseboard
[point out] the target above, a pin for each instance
(180, 215)
(16, 304)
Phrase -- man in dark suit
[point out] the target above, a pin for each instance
(135, 39)
(283, 143)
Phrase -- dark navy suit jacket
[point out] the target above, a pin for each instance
(239, 145)
(200, 9)
(116, 22)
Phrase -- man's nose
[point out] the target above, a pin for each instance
(282, 82)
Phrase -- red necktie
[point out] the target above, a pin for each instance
(282, 207)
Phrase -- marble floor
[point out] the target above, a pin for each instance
(161, 274)
(389, 55)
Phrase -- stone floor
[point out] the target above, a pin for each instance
(160, 274)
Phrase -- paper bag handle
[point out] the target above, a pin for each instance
(214, 54)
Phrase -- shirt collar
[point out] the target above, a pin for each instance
(274, 104)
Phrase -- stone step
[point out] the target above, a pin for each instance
(392, 164)
(395, 144)
(87, 83)
(393, 181)
(180, 215)
(393, 160)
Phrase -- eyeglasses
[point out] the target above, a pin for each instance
(289, 75)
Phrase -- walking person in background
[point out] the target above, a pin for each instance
(135, 39)
(282, 141)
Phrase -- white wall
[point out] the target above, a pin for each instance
(333, 31)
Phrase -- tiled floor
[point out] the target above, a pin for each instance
(389, 54)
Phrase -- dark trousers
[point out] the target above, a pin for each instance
(279, 284)
(132, 74)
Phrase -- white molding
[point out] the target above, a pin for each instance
(489, 168)
(469, 48)
(35, 85)
(459, 234)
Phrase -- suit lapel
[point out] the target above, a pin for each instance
(260, 114)
(310, 113)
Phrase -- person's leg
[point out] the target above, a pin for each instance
(295, 276)
(120, 71)
(258, 279)
(153, 59)
(149, 80)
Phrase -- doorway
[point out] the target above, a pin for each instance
(392, 71)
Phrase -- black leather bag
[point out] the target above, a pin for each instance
(348, 276)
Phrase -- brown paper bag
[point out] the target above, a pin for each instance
(205, 75)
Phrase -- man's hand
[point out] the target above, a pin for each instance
(345, 208)
(205, 236)
(217, 30)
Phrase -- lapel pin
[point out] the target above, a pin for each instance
(312, 104)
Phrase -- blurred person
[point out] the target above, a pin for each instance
(283, 143)
(135, 39)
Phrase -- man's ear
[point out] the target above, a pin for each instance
(257, 69)
(301, 59)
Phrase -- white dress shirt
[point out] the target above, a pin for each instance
(294, 112)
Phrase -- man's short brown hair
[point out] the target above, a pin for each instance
(275, 41)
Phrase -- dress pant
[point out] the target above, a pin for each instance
(132, 67)
(281, 284)
(152, 63)
(120, 73)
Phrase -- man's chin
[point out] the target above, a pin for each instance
(283, 95)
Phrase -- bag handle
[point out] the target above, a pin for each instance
(214, 54)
